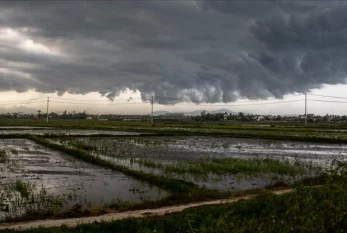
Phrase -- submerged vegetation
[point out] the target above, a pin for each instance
(27, 200)
(23, 188)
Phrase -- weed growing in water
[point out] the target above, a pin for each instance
(3, 156)
(24, 188)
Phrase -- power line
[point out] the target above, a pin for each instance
(53, 101)
(329, 96)
(95, 100)
(14, 101)
(242, 101)
(24, 103)
(237, 105)
(329, 101)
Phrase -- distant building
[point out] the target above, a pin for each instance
(260, 118)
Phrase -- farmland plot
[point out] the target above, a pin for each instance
(34, 177)
(216, 163)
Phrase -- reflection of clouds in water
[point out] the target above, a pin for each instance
(232, 147)
(192, 148)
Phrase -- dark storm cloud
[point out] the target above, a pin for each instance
(194, 51)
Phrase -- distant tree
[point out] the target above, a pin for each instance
(241, 116)
(39, 114)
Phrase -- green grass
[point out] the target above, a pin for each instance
(307, 209)
(235, 166)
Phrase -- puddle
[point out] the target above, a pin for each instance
(61, 174)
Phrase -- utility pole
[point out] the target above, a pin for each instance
(152, 110)
(305, 109)
(47, 108)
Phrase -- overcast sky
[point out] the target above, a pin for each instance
(216, 52)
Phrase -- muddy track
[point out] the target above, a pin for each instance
(71, 222)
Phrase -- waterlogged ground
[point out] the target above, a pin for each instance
(175, 157)
(197, 148)
(30, 173)
(51, 131)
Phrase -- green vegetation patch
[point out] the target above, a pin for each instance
(24, 188)
(224, 166)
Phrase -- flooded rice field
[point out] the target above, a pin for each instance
(197, 148)
(194, 158)
(24, 127)
(32, 175)
(51, 131)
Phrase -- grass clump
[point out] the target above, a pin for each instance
(24, 188)
(3, 156)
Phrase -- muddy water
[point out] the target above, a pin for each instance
(60, 174)
(46, 131)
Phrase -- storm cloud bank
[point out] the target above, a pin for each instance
(211, 51)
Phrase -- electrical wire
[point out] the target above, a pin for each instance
(14, 101)
(25, 103)
(242, 101)
(53, 101)
(58, 98)
(328, 101)
(328, 96)
(115, 103)
(239, 105)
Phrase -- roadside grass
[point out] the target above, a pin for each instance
(307, 209)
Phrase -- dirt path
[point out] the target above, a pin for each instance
(71, 222)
